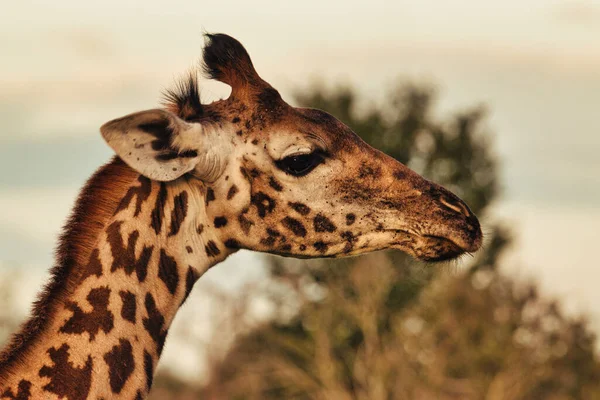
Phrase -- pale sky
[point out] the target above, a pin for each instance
(68, 66)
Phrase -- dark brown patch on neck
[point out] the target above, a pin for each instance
(129, 306)
(149, 369)
(120, 365)
(179, 212)
(95, 205)
(168, 272)
(141, 193)
(220, 221)
(154, 323)
(23, 391)
(210, 196)
(124, 257)
(66, 380)
(99, 319)
(94, 266)
(211, 248)
(190, 278)
(158, 214)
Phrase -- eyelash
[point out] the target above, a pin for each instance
(300, 164)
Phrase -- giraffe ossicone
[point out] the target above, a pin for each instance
(190, 184)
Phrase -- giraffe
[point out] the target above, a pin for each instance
(190, 184)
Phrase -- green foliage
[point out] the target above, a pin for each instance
(473, 336)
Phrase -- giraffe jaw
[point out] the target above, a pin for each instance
(430, 248)
(433, 248)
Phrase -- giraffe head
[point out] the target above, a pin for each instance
(286, 180)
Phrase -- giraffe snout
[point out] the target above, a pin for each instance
(460, 225)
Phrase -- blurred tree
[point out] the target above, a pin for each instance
(469, 337)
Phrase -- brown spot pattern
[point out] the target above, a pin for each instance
(263, 203)
(124, 257)
(232, 244)
(66, 380)
(190, 279)
(141, 194)
(100, 318)
(148, 369)
(23, 391)
(212, 249)
(285, 247)
(272, 237)
(129, 306)
(300, 208)
(233, 190)
(120, 365)
(220, 222)
(294, 225)
(179, 212)
(323, 224)
(350, 219)
(94, 266)
(154, 323)
(250, 175)
(210, 195)
(275, 185)
(321, 246)
(245, 223)
(350, 241)
(158, 213)
(167, 271)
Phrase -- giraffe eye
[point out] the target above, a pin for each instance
(300, 164)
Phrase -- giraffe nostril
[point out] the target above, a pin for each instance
(457, 206)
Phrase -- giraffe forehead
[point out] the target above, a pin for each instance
(268, 117)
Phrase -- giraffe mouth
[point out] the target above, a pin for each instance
(430, 248)
(443, 249)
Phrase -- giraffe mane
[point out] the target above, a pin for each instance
(183, 99)
(95, 205)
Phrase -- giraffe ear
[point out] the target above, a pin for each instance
(156, 143)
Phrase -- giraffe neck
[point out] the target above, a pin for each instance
(103, 332)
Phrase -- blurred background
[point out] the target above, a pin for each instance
(496, 100)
